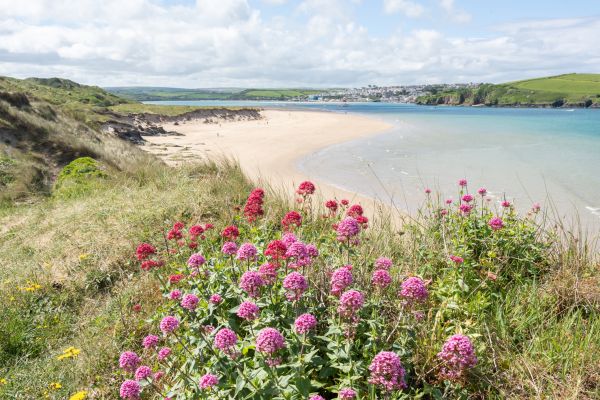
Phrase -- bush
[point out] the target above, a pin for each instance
(78, 177)
(313, 311)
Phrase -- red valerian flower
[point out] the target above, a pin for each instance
(144, 251)
(253, 208)
(276, 250)
(196, 231)
(175, 278)
(355, 211)
(332, 205)
(306, 188)
(175, 232)
(230, 232)
(292, 219)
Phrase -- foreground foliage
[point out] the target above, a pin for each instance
(74, 298)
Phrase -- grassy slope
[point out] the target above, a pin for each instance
(568, 90)
(154, 94)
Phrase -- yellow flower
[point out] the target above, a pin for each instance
(79, 395)
(84, 256)
(55, 385)
(32, 287)
(69, 352)
(3, 381)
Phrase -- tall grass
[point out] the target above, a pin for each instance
(539, 330)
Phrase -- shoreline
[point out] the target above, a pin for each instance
(270, 149)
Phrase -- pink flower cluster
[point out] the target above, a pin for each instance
(129, 361)
(347, 394)
(457, 356)
(387, 371)
(291, 220)
(295, 285)
(268, 273)
(305, 323)
(251, 282)
(253, 208)
(306, 188)
(248, 311)
(168, 324)
(347, 229)
(269, 341)
(215, 299)
(142, 373)
(225, 340)
(130, 390)
(496, 223)
(196, 260)
(414, 290)
(229, 248)
(247, 251)
(381, 279)
(350, 302)
(150, 341)
(383, 263)
(208, 381)
(189, 302)
(341, 278)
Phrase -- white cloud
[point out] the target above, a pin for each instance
(409, 8)
(454, 13)
(227, 43)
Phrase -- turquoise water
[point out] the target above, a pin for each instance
(550, 156)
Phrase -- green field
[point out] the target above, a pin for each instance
(571, 90)
(175, 94)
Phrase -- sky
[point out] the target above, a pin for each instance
(297, 43)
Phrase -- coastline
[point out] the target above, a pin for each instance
(270, 149)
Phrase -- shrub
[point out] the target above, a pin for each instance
(78, 177)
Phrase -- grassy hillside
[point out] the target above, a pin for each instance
(156, 94)
(572, 90)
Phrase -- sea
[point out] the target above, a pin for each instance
(522, 155)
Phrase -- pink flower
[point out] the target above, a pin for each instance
(381, 279)
(536, 207)
(316, 397)
(175, 294)
(150, 341)
(268, 273)
(347, 229)
(387, 371)
(230, 232)
(142, 373)
(350, 302)
(332, 205)
(288, 238)
(305, 323)
(247, 251)
(229, 248)
(169, 324)
(427, 191)
(505, 204)
(296, 250)
(129, 361)
(457, 356)
(448, 201)
(291, 219)
(269, 341)
(340, 280)
(190, 301)
(225, 340)
(462, 182)
(306, 188)
(312, 250)
(467, 198)
(158, 375)
(355, 210)
(144, 251)
(276, 249)
(413, 289)
(215, 299)
(496, 223)
(251, 282)
(482, 191)
(295, 285)
(466, 208)
(248, 311)
(164, 353)
(208, 381)
(383, 263)
(196, 260)
(347, 394)
(253, 208)
(457, 259)
(130, 390)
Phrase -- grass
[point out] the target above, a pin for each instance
(571, 90)
(539, 338)
(139, 108)
(153, 94)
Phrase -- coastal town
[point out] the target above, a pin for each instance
(385, 94)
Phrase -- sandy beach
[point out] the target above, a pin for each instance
(268, 149)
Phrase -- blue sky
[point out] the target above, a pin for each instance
(316, 43)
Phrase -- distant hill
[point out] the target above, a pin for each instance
(177, 94)
(571, 90)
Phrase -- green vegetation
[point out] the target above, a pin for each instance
(78, 177)
(572, 90)
(169, 110)
(157, 94)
